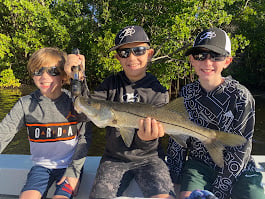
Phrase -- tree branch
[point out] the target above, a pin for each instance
(167, 57)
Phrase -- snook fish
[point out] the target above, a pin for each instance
(173, 116)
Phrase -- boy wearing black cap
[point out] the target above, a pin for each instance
(223, 104)
(140, 160)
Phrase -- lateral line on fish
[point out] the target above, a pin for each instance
(167, 123)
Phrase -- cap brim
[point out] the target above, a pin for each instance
(116, 47)
(209, 47)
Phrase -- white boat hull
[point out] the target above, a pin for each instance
(14, 170)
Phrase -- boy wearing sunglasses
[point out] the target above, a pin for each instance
(120, 163)
(220, 103)
(56, 133)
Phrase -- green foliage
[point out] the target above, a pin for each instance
(249, 66)
(28, 26)
(8, 79)
(4, 49)
(171, 25)
(92, 25)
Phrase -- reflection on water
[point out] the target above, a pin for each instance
(20, 145)
(8, 97)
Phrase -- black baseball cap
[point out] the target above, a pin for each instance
(130, 34)
(213, 39)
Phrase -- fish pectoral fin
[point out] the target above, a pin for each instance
(127, 135)
(215, 150)
(180, 139)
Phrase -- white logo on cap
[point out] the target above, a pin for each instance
(126, 32)
(207, 35)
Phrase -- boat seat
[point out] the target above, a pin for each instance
(14, 170)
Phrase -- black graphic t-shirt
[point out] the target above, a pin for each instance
(120, 89)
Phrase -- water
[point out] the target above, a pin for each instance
(20, 145)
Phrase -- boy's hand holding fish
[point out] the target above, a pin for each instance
(150, 129)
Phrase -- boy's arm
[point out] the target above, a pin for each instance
(79, 157)
(11, 124)
(237, 157)
(84, 140)
(72, 173)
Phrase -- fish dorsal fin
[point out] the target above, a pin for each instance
(177, 105)
(127, 135)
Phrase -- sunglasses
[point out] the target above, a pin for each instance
(137, 51)
(215, 57)
(52, 71)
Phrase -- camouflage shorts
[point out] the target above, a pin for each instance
(152, 176)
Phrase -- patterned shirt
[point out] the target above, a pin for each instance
(230, 108)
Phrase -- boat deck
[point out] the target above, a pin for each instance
(7, 197)
(14, 169)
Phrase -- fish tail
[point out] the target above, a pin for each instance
(229, 139)
(216, 146)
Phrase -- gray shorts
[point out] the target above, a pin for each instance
(151, 175)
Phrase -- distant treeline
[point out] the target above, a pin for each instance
(90, 25)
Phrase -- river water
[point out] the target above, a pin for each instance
(20, 145)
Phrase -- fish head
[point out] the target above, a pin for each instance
(95, 110)
(85, 105)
